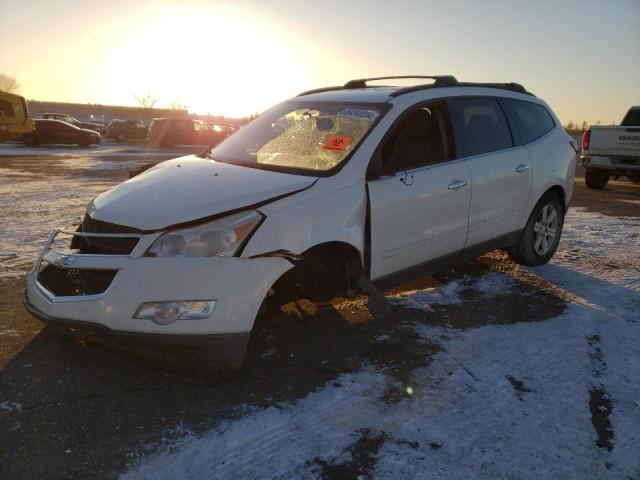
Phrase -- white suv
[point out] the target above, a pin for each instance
(333, 188)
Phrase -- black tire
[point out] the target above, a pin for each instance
(539, 239)
(84, 141)
(596, 180)
(122, 137)
(29, 140)
(635, 177)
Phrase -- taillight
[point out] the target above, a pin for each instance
(586, 137)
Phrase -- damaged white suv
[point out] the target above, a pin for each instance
(333, 188)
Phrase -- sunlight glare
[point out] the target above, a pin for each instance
(211, 59)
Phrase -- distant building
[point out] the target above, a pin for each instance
(87, 112)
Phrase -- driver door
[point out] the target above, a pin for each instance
(420, 206)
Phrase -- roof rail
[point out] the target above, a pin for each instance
(514, 87)
(440, 80)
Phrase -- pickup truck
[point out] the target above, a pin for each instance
(612, 151)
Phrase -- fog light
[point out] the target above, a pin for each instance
(164, 313)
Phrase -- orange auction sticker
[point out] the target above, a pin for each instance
(337, 143)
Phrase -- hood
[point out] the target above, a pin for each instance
(187, 189)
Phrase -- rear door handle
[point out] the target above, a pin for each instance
(522, 168)
(457, 185)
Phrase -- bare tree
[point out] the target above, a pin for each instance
(176, 105)
(9, 83)
(147, 101)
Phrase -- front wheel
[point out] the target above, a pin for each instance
(541, 235)
(596, 180)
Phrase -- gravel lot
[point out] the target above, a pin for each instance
(488, 370)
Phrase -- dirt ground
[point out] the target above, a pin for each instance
(74, 411)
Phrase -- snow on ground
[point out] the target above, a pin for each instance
(44, 188)
(500, 401)
(33, 205)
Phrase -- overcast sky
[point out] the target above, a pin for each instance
(240, 57)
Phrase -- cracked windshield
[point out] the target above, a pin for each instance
(298, 136)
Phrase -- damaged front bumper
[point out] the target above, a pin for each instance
(107, 308)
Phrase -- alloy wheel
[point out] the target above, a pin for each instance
(545, 229)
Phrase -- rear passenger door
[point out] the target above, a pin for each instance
(500, 173)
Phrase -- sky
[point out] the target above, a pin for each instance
(238, 58)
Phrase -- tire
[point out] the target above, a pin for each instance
(596, 180)
(541, 235)
(635, 177)
(84, 141)
(122, 137)
(29, 140)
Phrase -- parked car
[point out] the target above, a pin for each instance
(333, 189)
(178, 131)
(123, 130)
(612, 151)
(63, 117)
(14, 117)
(59, 132)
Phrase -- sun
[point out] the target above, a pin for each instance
(217, 60)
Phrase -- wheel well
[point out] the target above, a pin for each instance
(558, 190)
(325, 271)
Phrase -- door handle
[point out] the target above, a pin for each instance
(457, 185)
(522, 168)
(406, 178)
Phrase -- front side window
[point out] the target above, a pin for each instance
(419, 139)
(480, 125)
(300, 135)
(531, 121)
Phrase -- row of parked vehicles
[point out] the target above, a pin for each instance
(59, 128)
(169, 131)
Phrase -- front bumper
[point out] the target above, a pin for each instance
(224, 351)
(238, 285)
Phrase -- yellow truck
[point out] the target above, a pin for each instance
(14, 116)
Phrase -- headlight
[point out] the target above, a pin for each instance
(222, 237)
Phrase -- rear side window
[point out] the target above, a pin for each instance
(632, 118)
(531, 121)
(480, 126)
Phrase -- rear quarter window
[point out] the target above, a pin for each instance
(531, 120)
(480, 126)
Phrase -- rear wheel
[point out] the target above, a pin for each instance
(596, 180)
(30, 140)
(541, 235)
